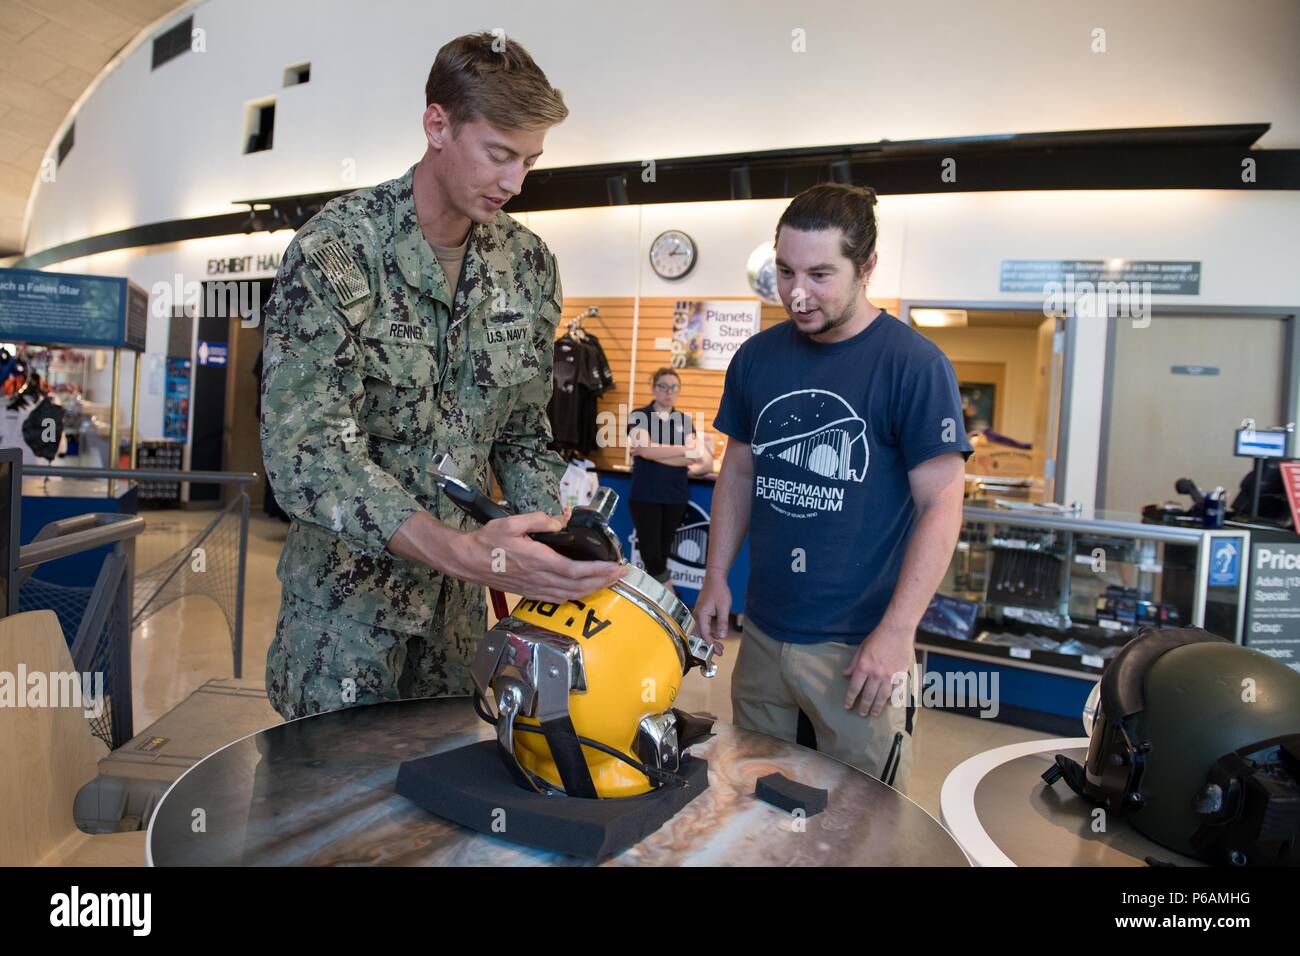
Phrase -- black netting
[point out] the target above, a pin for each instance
(110, 658)
(207, 565)
(68, 603)
(104, 649)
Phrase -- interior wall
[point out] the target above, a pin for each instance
(1166, 424)
(630, 337)
(171, 140)
(613, 325)
(936, 248)
(1081, 410)
(243, 443)
(1046, 402)
(701, 390)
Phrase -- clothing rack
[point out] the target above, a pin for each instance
(574, 407)
(574, 326)
(611, 343)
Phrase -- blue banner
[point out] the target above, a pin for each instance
(690, 543)
(55, 308)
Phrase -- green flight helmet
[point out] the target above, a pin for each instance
(1196, 740)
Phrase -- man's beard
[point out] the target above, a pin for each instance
(828, 323)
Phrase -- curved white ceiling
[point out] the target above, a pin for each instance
(50, 51)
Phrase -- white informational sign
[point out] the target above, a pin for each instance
(707, 334)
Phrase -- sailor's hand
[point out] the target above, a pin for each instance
(501, 555)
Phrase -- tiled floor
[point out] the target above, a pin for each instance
(188, 642)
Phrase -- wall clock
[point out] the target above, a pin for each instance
(672, 254)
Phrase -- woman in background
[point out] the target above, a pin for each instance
(664, 446)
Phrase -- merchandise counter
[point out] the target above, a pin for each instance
(1040, 601)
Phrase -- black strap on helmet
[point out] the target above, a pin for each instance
(566, 752)
(1071, 771)
(562, 738)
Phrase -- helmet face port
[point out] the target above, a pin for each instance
(1090, 708)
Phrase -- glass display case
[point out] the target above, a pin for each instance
(1062, 592)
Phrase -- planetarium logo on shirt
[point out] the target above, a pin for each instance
(816, 432)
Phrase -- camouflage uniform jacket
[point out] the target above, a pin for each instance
(370, 369)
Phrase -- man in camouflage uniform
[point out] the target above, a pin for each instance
(374, 362)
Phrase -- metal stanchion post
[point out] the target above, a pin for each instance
(239, 585)
(112, 425)
(135, 408)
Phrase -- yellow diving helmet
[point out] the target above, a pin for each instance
(582, 692)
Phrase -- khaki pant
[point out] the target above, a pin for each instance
(774, 681)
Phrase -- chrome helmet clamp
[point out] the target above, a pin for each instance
(532, 670)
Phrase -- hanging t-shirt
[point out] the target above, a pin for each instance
(653, 481)
(834, 429)
(597, 379)
(572, 408)
(600, 370)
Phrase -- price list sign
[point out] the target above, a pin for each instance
(1273, 620)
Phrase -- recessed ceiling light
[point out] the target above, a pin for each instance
(939, 318)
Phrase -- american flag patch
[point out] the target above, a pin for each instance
(335, 263)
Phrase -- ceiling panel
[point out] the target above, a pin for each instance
(51, 51)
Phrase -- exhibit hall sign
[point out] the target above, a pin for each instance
(707, 334)
(55, 308)
(233, 265)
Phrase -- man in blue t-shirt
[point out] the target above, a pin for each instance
(845, 466)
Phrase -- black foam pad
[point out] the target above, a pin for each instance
(472, 787)
(780, 791)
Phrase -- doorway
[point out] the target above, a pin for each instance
(1176, 390)
(234, 412)
(1009, 366)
